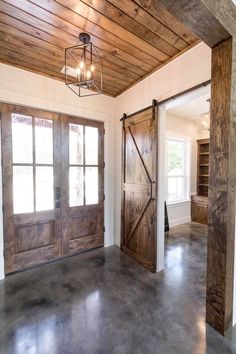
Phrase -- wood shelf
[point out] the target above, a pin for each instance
(202, 167)
(199, 202)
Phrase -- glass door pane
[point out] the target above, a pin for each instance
(76, 144)
(91, 185)
(76, 186)
(91, 146)
(22, 139)
(32, 156)
(43, 141)
(44, 188)
(23, 194)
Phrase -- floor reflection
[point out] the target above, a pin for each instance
(102, 302)
(36, 338)
(173, 262)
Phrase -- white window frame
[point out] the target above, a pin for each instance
(187, 164)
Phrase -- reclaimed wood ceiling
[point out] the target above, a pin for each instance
(133, 38)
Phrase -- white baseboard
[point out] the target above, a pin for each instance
(180, 221)
(2, 275)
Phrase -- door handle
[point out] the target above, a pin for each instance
(57, 197)
(153, 190)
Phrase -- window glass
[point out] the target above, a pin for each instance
(23, 196)
(91, 146)
(91, 185)
(177, 174)
(76, 144)
(22, 138)
(176, 160)
(76, 188)
(43, 141)
(44, 188)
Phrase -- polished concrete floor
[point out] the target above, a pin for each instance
(102, 302)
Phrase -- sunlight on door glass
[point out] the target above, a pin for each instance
(76, 189)
(76, 144)
(43, 141)
(91, 146)
(23, 199)
(22, 148)
(44, 188)
(91, 183)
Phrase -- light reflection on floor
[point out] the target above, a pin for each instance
(102, 302)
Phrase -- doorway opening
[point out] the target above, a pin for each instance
(187, 160)
(187, 125)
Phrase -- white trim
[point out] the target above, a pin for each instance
(161, 182)
(177, 136)
(180, 221)
(172, 204)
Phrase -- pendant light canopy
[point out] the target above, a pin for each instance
(83, 68)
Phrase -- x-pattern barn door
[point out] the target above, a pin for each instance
(138, 238)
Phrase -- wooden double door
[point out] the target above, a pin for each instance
(53, 185)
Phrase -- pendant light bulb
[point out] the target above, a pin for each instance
(81, 64)
(78, 71)
(92, 68)
(88, 74)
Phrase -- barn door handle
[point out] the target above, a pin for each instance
(153, 190)
(57, 197)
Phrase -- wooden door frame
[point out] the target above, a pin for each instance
(47, 113)
(213, 21)
(15, 261)
(98, 239)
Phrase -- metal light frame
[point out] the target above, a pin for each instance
(86, 47)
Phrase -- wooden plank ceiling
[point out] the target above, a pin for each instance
(133, 38)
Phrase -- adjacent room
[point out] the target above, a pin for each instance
(118, 170)
(187, 159)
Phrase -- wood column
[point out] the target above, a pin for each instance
(214, 22)
(222, 184)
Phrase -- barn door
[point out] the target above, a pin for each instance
(82, 184)
(138, 238)
(31, 186)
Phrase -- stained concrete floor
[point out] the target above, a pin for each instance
(101, 302)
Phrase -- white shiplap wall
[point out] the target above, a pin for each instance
(25, 88)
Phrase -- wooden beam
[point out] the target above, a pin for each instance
(222, 185)
(160, 13)
(197, 17)
(225, 12)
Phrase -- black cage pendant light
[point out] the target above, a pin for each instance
(83, 68)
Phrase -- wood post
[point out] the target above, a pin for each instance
(222, 184)
(214, 22)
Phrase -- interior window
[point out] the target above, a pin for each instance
(177, 185)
